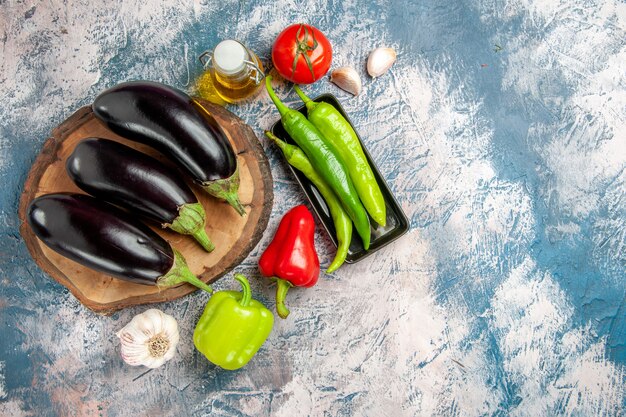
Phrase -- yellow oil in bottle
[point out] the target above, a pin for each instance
(233, 74)
(205, 88)
(233, 89)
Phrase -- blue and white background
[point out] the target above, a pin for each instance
(501, 129)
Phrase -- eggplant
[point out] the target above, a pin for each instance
(177, 126)
(121, 175)
(101, 236)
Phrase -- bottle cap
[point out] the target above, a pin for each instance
(229, 57)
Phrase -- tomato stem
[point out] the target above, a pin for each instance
(302, 49)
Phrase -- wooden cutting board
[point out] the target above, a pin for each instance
(234, 236)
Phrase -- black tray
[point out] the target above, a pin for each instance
(397, 222)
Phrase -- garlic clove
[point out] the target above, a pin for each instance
(169, 325)
(152, 362)
(380, 60)
(135, 357)
(131, 334)
(149, 339)
(347, 79)
(151, 321)
(172, 336)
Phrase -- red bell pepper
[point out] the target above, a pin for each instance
(290, 259)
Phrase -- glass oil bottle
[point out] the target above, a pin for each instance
(233, 73)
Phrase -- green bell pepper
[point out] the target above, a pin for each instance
(233, 327)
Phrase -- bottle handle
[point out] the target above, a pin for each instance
(206, 59)
(258, 73)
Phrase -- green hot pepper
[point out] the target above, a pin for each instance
(327, 162)
(233, 327)
(337, 129)
(343, 225)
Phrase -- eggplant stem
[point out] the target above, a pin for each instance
(233, 200)
(203, 239)
(191, 221)
(180, 273)
(226, 189)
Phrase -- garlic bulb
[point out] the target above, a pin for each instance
(347, 79)
(149, 339)
(380, 60)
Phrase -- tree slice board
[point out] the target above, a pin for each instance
(234, 236)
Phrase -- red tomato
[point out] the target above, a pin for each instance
(302, 54)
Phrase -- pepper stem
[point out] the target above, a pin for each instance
(246, 293)
(282, 109)
(281, 292)
(286, 148)
(191, 221)
(310, 104)
(180, 273)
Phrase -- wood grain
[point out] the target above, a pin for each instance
(234, 236)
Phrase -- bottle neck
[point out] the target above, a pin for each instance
(230, 60)
(241, 75)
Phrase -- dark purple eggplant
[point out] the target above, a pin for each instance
(123, 176)
(100, 236)
(177, 126)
